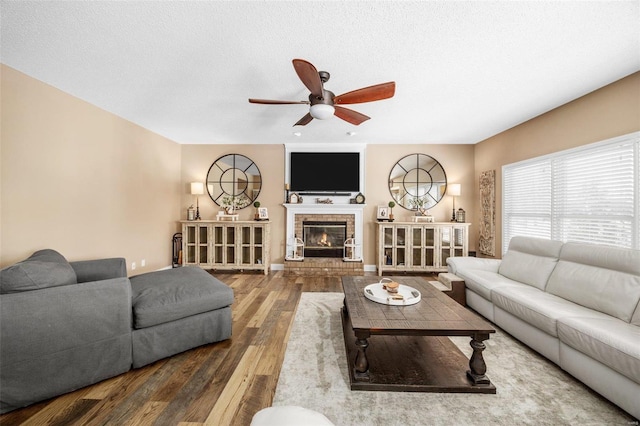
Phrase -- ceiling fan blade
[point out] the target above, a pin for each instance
(350, 115)
(304, 120)
(272, 102)
(367, 94)
(309, 76)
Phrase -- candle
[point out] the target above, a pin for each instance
(286, 186)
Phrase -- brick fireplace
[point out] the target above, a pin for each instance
(298, 214)
(324, 238)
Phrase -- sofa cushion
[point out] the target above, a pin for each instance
(44, 268)
(483, 282)
(530, 260)
(168, 295)
(611, 341)
(603, 278)
(463, 263)
(538, 308)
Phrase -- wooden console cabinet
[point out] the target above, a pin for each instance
(420, 247)
(242, 245)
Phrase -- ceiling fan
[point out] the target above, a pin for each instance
(324, 104)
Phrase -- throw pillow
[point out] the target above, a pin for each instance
(44, 268)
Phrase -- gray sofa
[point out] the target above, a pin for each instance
(576, 304)
(66, 325)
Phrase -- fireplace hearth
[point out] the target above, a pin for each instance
(324, 238)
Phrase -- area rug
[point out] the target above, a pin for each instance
(530, 389)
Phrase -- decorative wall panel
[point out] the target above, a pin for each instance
(487, 240)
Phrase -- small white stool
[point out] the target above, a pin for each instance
(289, 415)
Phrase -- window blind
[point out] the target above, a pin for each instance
(589, 194)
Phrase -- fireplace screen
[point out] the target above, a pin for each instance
(324, 239)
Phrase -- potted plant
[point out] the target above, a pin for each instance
(256, 216)
(391, 206)
(419, 204)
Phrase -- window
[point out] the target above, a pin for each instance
(588, 194)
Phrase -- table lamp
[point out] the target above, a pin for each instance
(197, 188)
(454, 190)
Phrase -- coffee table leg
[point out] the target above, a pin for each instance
(477, 366)
(361, 366)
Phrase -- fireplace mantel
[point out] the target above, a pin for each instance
(339, 209)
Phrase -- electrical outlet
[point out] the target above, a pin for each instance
(133, 266)
(143, 263)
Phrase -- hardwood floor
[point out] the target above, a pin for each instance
(224, 383)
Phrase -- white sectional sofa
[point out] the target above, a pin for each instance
(576, 304)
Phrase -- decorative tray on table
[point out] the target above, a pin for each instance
(379, 293)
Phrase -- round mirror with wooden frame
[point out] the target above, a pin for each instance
(234, 179)
(417, 182)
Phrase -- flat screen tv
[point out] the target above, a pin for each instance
(325, 171)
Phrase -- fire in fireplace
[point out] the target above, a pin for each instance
(324, 239)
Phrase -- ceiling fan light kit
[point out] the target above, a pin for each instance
(322, 111)
(323, 103)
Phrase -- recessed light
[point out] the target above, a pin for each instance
(297, 134)
(351, 133)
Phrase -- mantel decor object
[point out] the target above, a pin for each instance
(297, 254)
(383, 213)
(351, 250)
(392, 204)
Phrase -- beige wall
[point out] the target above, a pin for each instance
(457, 161)
(90, 184)
(611, 111)
(196, 160)
(82, 181)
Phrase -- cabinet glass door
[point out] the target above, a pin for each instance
(246, 240)
(230, 245)
(218, 245)
(258, 232)
(457, 243)
(400, 246)
(417, 247)
(445, 243)
(258, 237)
(429, 247)
(203, 244)
(190, 242)
(387, 236)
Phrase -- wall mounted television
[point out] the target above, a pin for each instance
(325, 171)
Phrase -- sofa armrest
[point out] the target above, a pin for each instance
(58, 339)
(56, 319)
(456, 264)
(100, 269)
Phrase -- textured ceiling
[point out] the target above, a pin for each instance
(464, 70)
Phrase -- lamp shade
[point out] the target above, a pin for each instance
(454, 189)
(197, 188)
(321, 111)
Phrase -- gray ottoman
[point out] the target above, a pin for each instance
(176, 310)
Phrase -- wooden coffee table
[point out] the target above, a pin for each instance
(404, 348)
